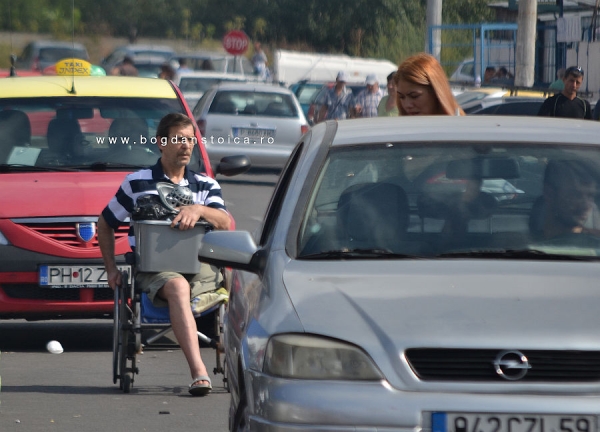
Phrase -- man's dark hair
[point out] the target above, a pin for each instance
(576, 71)
(128, 59)
(490, 69)
(390, 77)
(565, 172)
(170, 120)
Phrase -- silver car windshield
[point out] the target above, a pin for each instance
(455, 200)
(62, 133)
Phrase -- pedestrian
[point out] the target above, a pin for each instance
(387, 106)
(259, 61)
(175, 138)
(183, 66)
(337, 102)
(367, 101)
(126, 68)
(567, 103)
(422, 88)
(167, 72)
(558, 84)
(489, 74)
(502, 78)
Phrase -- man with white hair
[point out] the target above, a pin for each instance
(367, 101)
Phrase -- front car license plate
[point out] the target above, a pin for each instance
(488, 422)
(75, 276)
(253, 133)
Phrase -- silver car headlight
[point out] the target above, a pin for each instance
(311, 357)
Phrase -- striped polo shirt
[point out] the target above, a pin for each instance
(206, 191)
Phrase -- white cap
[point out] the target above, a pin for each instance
(371, 79)
(341, 76)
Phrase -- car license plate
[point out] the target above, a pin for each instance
(253, 133)
(75, 276)
(487, 422)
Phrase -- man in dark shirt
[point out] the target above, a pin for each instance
(567, 103)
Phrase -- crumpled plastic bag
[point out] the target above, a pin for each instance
(150, 207)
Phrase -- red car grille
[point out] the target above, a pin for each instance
(66, 233)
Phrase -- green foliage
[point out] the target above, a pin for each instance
(391, 29)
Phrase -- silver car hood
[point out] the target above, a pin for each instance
(449, 303)
(387, 307)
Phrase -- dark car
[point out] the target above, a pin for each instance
(304, 91)
(512, 105)
(117, 56)
(39, 55)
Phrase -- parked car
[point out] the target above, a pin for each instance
(38, 55)
(354, 308)
(194, 84)
(116, 57)
(304, 91)
(147, 66)
(262, 121)
(67, 143)
(215, 61)
(507, 105)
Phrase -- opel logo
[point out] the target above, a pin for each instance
(511, 365)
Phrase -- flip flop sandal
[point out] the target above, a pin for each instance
(198, 389)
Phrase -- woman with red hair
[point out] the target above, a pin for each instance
(423, 89)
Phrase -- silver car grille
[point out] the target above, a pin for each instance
(441, 364)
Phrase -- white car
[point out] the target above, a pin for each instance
(194, 84)
(262, 121)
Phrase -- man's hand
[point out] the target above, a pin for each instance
(188, 216)
(114, 277)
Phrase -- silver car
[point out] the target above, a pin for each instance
(262, 121)
(369, 302)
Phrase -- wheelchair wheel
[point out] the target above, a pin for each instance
(116, 335)
(220, 367)
(126, 338)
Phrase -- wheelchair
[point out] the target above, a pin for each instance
(133, 313)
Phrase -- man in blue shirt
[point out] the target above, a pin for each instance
(338, 101)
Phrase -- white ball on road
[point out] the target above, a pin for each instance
(54, 347)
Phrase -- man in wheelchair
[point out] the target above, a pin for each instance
(175, 140)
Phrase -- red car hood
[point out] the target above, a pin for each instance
(57, 193)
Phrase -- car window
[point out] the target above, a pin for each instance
(306, 93)
(519, 108)
(431, 200)
(53, 54)
(253, 103)
(62, 132)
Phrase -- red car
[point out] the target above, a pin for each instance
(63, 155)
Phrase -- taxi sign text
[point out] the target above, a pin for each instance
(76, 67)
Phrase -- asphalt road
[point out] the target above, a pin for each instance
(74, 392)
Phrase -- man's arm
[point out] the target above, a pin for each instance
(588, 110)
(106, 242)
(546, 109)
(189, 215)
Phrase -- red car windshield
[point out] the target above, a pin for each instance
(83, 132)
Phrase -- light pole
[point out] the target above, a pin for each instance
(525, 53)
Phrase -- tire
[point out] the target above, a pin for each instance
(116, 336)
(127, 381)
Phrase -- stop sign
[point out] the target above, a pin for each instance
(235, 42)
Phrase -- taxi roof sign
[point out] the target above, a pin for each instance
(73, 67)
